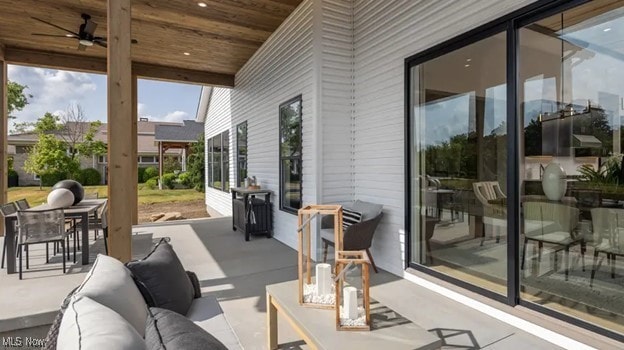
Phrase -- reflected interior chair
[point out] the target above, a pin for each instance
(494, 214)
(608, 229)
(552, 223)
(41, 226)
(5, 210)
(358, 236)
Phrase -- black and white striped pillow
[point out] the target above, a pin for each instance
(350, 217)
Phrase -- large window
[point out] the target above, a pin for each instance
(534, 217)
(290, 154)
(241, 154)
(218, 161)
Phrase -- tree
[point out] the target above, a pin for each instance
(16, 98)
(79, 134)
(196, 168)
(61, 140)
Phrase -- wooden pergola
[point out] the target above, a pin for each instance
(203, 42)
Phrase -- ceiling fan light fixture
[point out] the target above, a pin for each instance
(202, 4)
(86, 42)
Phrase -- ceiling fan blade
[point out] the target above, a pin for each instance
(90, 27)
(135, 41)
(56, 35)
(82, 47)
(100, 43)
(54, 25)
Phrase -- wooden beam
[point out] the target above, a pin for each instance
(135, 154)
(55, 60)
(151, 71)
(89, 64)
(4, 132)
(120, 175)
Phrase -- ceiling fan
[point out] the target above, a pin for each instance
(86, 33)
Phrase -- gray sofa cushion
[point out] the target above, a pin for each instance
(369, 210)
(169, 330)
(161, 273)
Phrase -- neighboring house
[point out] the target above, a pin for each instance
(360, 99)
(20, 144)
(177, 137)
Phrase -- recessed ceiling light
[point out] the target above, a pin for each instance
(202, 4)
(468, 59)
(606, 29)
(69, 35)
(466, 65)
(187, 54)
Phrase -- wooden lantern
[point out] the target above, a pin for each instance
(352, 291)
(316, 284)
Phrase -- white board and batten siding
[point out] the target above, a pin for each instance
(219, 119)
(385, 33)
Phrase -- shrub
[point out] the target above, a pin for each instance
(49, 178)
(151, 184)
(90, 177)
(185, 179)
(141, 179)
(169, 180)
(150, 173)
(12, 173)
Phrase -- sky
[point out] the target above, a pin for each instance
(54, 90)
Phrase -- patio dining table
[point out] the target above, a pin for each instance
(82, 211)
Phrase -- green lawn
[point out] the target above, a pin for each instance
(36, 196)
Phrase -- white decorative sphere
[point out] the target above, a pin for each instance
(554, 182)
(60, 198)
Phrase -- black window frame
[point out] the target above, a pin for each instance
(240, 160)
(299, 158)
(511, 24)
(224, 161)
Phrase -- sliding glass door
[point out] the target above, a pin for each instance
(459, 163)
(571, 86)
(555, 242)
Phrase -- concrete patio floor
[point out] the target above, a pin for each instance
(237, 273)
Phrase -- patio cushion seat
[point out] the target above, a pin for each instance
(88, 324)
(110, 284)
(167, 329)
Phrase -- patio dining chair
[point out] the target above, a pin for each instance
(22, 204)
(100, 223)
(41, 226)
(5, 210)
(608, 228)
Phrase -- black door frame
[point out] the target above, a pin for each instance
(510, 24)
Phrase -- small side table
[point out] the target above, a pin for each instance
(252, 211)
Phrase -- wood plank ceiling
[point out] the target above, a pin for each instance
(218, 37)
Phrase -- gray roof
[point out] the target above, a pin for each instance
(189, 132)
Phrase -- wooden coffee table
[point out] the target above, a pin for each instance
(318, 327)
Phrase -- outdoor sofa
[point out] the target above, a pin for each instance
(152, 303)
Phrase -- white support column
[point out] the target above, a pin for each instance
(183, 159)
(120, 158)
(4, 132)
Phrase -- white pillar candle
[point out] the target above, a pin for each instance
(350, 306)
(323, 279)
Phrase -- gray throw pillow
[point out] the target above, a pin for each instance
(162, 276)
(170, 330)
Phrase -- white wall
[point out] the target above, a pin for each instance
(385, 33)
(346, 58)
(219, 119)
